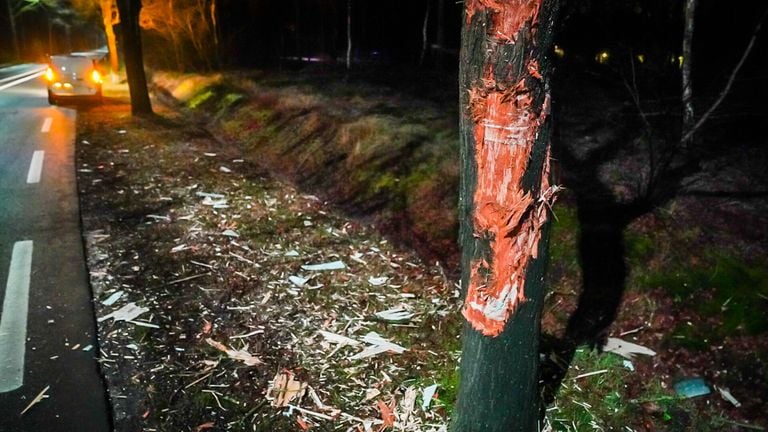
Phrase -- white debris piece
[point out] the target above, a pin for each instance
(358, 257)
(334, 265)
(128, 312)
(426, 396)
(629, 365)
(291, 253)
(242, 355)
(397, 314)
(626, 349)
(179, 248)
(337, 338)
(726, 394)
(215, 203)
(209, 195)
(298, 281)
(225, 169)
(377, 346)
(113, 298)
(406, 407)
(230, 233)
(377, 281)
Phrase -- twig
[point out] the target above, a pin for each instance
(584, 375)
(174, 282)
(36, 400)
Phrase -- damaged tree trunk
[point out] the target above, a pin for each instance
(134, 58)
(504, 205)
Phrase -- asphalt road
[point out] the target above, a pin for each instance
(47, 326)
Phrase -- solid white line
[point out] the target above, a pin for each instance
(13, 321)
(21, 80)
(36, 167)
(47, 125)
(23, 74)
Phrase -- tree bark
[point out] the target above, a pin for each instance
(505, 196)
(134, 58)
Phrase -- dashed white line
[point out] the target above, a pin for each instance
(13, 321)
(36, 167)
(47, 125)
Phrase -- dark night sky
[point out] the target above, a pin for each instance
(259, 32)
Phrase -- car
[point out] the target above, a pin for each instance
(73, 76)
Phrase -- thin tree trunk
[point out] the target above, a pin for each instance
(215, 28)
(109, 21)
(424, 27)
(14, 34)
(687, 98)
(349, 34)
(134, 57)
(505, 196)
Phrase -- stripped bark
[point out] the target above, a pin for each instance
(505, 198)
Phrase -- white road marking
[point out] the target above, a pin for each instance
(47, 125)
(13, 321)
(21, 80)
(36, 167)
(20, 75)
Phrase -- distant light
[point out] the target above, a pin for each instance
(96, 76)
(680, 61)
(559, 51)
(602, 57)
(49, 74)
(640, 58)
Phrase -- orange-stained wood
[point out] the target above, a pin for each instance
(505, 126)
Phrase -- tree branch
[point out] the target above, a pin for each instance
(689, 133)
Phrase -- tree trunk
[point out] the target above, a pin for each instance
(349, 34)
(424, 41)
(109, 21)
(687, 97)
(14, 34)
(134, 58)
(504, 203)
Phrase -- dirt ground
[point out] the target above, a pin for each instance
(233, 324)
